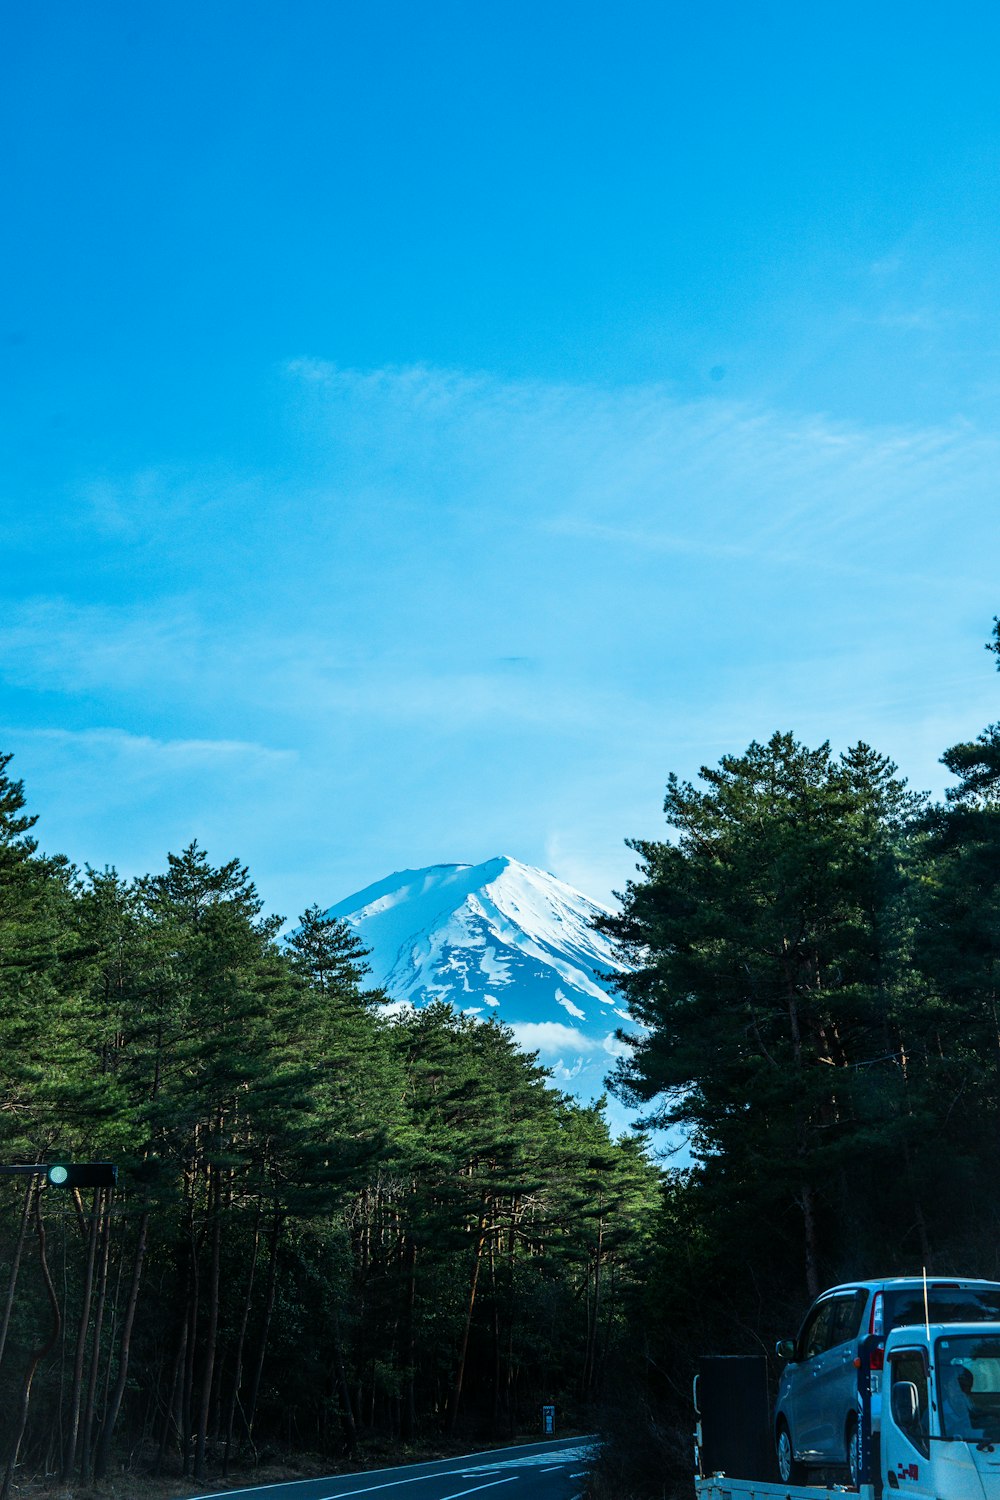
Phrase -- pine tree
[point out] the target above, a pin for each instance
(766, 943)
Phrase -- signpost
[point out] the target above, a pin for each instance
(549, 1421)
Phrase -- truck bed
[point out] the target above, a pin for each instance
(722, 1487)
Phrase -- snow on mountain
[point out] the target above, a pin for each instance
(500, 939)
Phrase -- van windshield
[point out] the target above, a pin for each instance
(946, 1304)
(968, 1379)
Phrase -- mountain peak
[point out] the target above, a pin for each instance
(499, 939)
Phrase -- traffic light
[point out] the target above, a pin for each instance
(78, 1174)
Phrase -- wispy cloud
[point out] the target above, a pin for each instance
(109, 796)
(450, 528)
(164, 651)
(646, 541)
(886, 265)
(700, 478)
(66, 645)
(147, 751)
(924, 319)
(483, 613)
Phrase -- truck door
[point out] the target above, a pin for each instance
(906, 1448)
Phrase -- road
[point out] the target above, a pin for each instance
(553, 1470)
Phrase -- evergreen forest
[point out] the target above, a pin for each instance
(337, 1225)
(336, 1232)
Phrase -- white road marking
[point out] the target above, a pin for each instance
(534, 1460)
(370, 1489)
(340, 1495)
(491, 1486)
(423, 1478)
(577, 1451)
(553, 1468)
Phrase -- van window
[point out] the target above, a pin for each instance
(815, 1336)
(846, 1322)
(946, 1305)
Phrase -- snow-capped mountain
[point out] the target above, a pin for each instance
(500, 939)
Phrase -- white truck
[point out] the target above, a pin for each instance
(936, 1434)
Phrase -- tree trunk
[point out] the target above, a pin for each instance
(808, 1207)
(173, 1413)
(609, 1303)
(272, 1274)
(410, 1404)
(509, 1380)
(187, 1388)
(240, 1346)
(87, 1424)
(912, 1175)
(343, 1388)
(590, 1363)
(76, 1390)
(36, 1358)
(15, 1266)
(212, 1334)
(456, 1393)
(495, 1426)
(114, 1405)
(806, 1199)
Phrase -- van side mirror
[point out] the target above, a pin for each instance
(905, 1403)
(785, 1349)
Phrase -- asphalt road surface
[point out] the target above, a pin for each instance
(553, 1470)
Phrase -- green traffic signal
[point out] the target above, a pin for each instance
(82, 1174)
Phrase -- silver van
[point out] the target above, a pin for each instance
(816, 1414)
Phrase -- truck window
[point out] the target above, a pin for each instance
(908, 1367)
(968, 1374)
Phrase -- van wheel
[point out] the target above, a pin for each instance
(789, 1470)
(853, 1452)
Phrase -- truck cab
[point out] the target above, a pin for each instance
(940, 1437)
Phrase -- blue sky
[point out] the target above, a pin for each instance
(425, 427)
